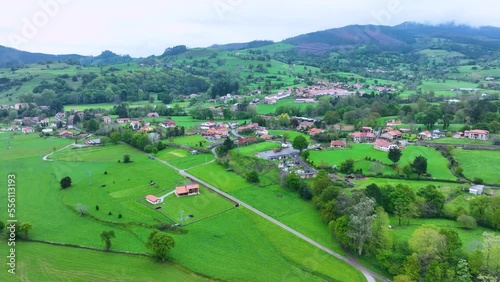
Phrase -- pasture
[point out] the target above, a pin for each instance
(183, 159)
(480, 163)
(191, 141)
(436, 164)
(276, 253)
(254, 149)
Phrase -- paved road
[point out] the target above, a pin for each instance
(369, 275)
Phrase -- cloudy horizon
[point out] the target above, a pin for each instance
(145, 28)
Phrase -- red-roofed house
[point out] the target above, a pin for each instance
(27, 129)
(187, 190)
(266, 137)
(168, 123)
(135, 125)
(383, 145)
(392, 135)
(154, 200)
(244, 140)
(477, 134)
(106, 119)
(426, 135)
(122, 120)
(66, 134)
(366, 129)
(146, 129)
(362, 136)
(314, 131)
(338, 144)
(305, 125)
(153, 115)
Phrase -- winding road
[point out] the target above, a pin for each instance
(369, 275)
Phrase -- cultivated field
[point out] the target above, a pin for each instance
(480, 164)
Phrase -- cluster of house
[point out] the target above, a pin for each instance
(181, 191)
(260, 131)
(385, 141)
(476, 134)
(214, 131)
(309, 126)
(272, 99)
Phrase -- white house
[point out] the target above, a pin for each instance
(477, 134)
(383, 145)
(476, 189)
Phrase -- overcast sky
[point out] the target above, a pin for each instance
(144, 27)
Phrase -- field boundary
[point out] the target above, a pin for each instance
(463, 146)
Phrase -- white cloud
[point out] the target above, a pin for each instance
(142, 28)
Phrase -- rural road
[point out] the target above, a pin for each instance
(369, 275)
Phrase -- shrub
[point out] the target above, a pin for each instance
(65, 182)
(467, 221)
(110, 213)
(96, 207)
(253, 177)
(120, 215)
(126, 158)
(477, 180)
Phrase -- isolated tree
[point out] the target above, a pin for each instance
(419, 165)
(292, 181)
(160, 243)
(394, 155)
(65, 182)
(360, 223)
(299, 143)
(154, 150)
(106, 237)
(126, 158)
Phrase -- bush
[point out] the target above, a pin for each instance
(253, 177)
(477, 180)
(467, 221)
(65, 182)
(126, 158)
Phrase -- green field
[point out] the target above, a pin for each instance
(275, 201)
(42, 262)
(480, 163)
(291, 133)
(191, 141)
(183, 159)
(263, 109)
(461, 141)
(254, 149)
(436, 164)
(275, 252)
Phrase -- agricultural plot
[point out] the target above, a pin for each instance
(276, 253)
(42, 262)
(191, 141)
(183, 159)
(460, 141)
(254, 149)
(436, 164)
(263, 109)
(480, 164)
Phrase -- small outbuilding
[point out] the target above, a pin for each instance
(476, 189)
(187, 190)
(154, 200)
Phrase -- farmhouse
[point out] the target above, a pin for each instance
(476, 189)
(154, 200)
(305, 125)
(383, 145)
(27, 129)
(207, 125)
(135, 125)
(93, 142)
(366, 129)
(261, 131)
(153, 115)
(122, 120)
(392, 135)
(146, 129)
(47, 130)
(168, 123)
(187, 190)
(362, 136)
(245, 140)
(315, 131)
(305, 100)
(477, 134)
(106, 119)
(393, 123)
(426, 135)
(66, 134)
(338, 144)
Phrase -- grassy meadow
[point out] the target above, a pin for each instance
(480, 163)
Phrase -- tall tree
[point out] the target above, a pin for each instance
(402, 203)
(419, 165)
(428, 244)
(106, 237)
(433, 201)
(160, 243)
(394, 155)
(360, 223)
(299, 143)
(381, 236)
